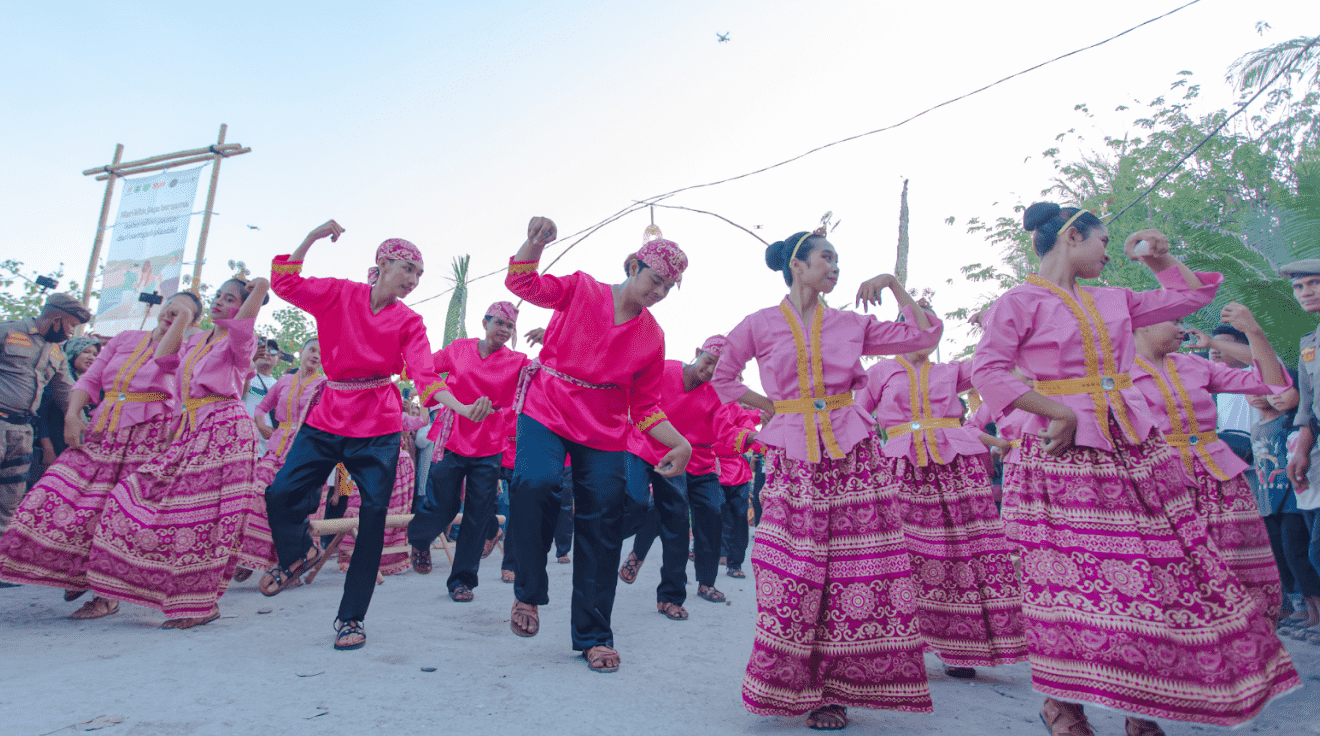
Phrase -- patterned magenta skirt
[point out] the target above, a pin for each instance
(50, 536)
(166, 539)
(401, 499)
(1235, 527)
(1126, 601)
(836, 606)
(256, 547)
(969, 603)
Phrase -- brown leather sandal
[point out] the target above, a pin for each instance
(421, 561)
(672, 611)
(508, 576)
(1065, 719)
(598, 659)
(279, 578)
(631, 566)
(188, 623)
(241, 574)
(461, 594)
(1142, 727)
(490, 544)
(524, 620)
(97, 607)
(72, 595)
(828, 718)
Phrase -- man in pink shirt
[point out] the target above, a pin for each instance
(367, 336)
(482, 373)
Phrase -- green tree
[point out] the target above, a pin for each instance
(21, 297)
(1227, 208)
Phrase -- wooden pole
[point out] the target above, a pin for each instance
(100, 233)
(172, 164)
(115, 167)
(206, 215)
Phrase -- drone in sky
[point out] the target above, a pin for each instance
(253, 227)
(724, 37)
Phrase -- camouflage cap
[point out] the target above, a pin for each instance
(1304, 267)
(68, 305)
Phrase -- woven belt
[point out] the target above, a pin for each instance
(1191, 440)
(1088, 385)
(811, 406)
(898, 430)
(534, 367)
(190, 407)
(1015, 443)
(358, 384)
(111, 423)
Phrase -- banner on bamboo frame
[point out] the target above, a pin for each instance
(146, 250)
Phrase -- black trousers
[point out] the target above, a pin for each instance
(444, 495)
(667, 518)
(734, 516)
(705, 498)
(599, 498)
(1289, 539)
(296, 492)
(758, 480)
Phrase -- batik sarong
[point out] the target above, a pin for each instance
(50, 537)
(836, 606)
(1235, 527)
(969, 603)
(1126, 601)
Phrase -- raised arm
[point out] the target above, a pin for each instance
(1262, 352)
(1184, 290)
(167, 349)
(289, 284)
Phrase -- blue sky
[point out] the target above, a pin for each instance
(450, 124)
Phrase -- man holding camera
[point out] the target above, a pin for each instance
(268, 353)
(29, 360)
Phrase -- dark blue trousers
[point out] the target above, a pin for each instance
(599, 501)
(667, 518)
(296, 492)
(444, 494)
(734, 516)
(705, 498)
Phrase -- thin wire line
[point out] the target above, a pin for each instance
(659, 197)
(1213, 133)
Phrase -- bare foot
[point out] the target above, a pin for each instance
(602, 659)
(97, 607)
(508, 576)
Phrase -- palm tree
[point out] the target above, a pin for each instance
(456, 317)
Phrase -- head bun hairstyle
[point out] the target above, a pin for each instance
(777, 255)
(197, 304)
(1044, 220)
(243, 287)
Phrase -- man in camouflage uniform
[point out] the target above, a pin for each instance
(30, 358)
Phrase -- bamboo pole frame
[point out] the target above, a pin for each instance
(100, 233)
(118, 168)
(173, 164)
(206, 214)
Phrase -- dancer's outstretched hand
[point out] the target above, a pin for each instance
(541, 231)
(328, 229)
(870, 292)
(535, 336)
(1059, 435)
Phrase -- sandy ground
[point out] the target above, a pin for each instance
(276, 673)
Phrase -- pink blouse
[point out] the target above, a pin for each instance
(896, 400)
(1052, 336)
(620, 365)
(820, 361)
(1007, 428)
(697, 415)
(1180, 396)
(359, 344)
(218, 368)
(127, 371)
(288, 398)
(471, 377)
(413, 423)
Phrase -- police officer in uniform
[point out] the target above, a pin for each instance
(30, 359)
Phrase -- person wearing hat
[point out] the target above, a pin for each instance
(600, 372)
(367, 335)
(690, 402)
(1304, 467)
(31, 360)
(481, 371)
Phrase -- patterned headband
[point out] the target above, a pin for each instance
(394, 249)
(504, 310)
(715, 345)
(665, 258)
